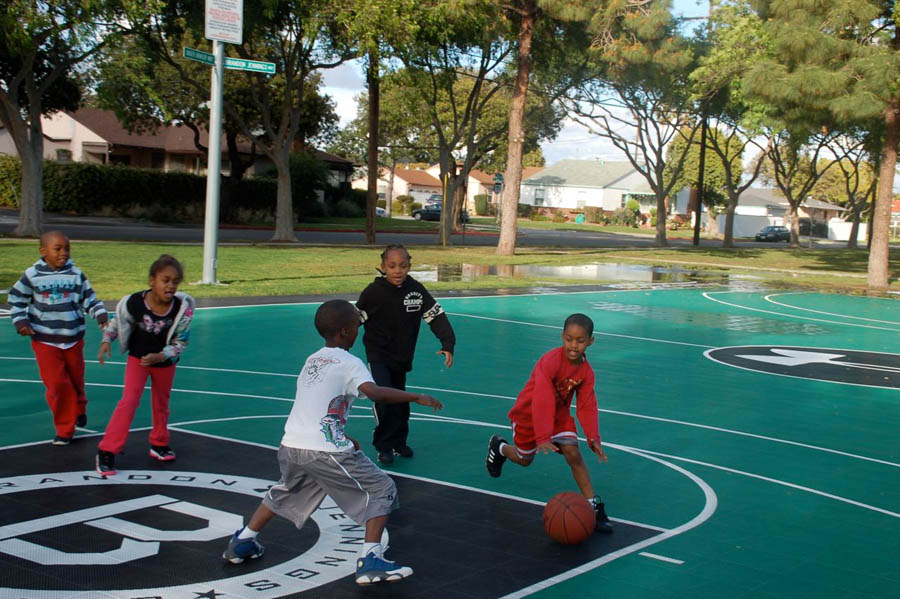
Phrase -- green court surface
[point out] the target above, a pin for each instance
(760, 483)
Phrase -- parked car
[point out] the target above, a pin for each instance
(433, 212)
(435, 198)
(379, 211)
(773, 233)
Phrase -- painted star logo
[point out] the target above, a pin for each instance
(210, 594)
(849, 367)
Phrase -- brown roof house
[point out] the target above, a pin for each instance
(95, 135)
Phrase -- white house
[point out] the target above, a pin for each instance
(575, 184)
(412, 182)
(760, 207)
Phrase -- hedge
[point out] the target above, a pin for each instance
(87, 188)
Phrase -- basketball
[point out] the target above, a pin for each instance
(569, 518)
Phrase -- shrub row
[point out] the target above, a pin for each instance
(85, 188)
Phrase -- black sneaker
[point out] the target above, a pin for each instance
(404, 451)
(386, 457)
(106, 463)
(60, 441)
(603, 525)
(495, 459)
(81, 421)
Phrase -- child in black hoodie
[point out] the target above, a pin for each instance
(392, 308)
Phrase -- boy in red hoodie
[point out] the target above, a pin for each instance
(541, 417)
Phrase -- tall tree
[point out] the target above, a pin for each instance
(842, 58)
(715, 173)
(299, 36)
(41, 46)
(639, 97)
(793, 165)
(736, 40)
(548, 19)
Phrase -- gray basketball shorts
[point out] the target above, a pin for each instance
(359, 487)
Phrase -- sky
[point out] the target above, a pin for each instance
(344, 83)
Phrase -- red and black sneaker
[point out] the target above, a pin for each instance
(163, 453)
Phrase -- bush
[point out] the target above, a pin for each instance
(525, 210)
(414, 206)
(382, 203)
(482, 207)
(346, 209)
(397, 207)
(592, 214)
(537, 216)
(10, 181)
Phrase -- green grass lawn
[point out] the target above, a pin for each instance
(117, 268)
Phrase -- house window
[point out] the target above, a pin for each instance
(64, 156)
(121, 159)
(157, 160)
(539, 197)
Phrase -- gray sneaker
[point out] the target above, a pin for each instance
(240, 549)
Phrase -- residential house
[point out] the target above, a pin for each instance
(412, 182)
(760, 207)
(572, 185)
(95, 135)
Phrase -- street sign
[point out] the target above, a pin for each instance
(225, 20)
(498, 177)
(498, 187)
(257, 66)
(199, 56)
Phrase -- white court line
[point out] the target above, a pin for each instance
(773, 481)
(661, 558)
(511, 398)
(596, 332)
(291, 399)
(708, 295)
(460, 297)
(769, 297)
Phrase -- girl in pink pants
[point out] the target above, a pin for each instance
(152, 328)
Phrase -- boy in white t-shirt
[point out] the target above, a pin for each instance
(317, 458)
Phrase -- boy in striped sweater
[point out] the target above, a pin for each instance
(48, 304)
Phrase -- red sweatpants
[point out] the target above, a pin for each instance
(161, 380)
(62, 371)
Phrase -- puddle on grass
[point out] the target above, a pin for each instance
(604, 272)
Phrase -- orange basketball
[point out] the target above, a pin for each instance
(569, 518)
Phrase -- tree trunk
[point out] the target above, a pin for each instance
(881, 213)
(389, 193)
(795, 224)
(728, 241)
(284, 206)
(29, 142)
(661, 215)
(509, 203)
(372, 189)
(854, 229)
(31, 203)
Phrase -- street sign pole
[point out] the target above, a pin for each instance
(213, 167)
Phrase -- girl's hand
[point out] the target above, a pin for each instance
(151, 359)
(104, 349)
(427, 400)
(598, 449)
(26, 330)
(354, 441)
(448, 358)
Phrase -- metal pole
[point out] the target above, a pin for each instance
(444, 211)
(213, 167)
(700, 180)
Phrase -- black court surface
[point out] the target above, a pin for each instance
(67, 531)
(751, 434)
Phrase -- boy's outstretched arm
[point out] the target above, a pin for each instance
(390, 395)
